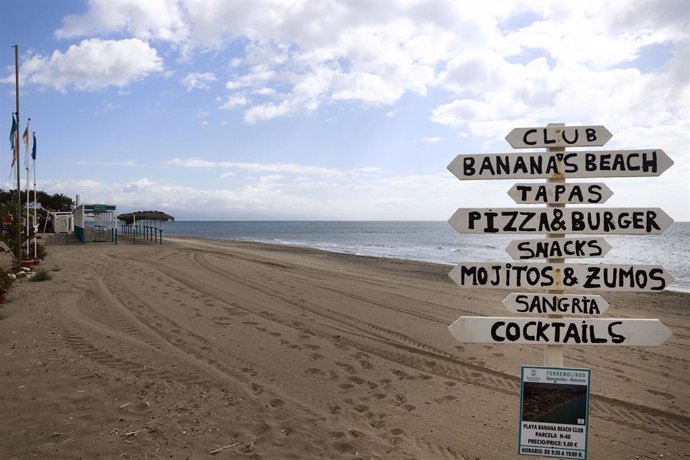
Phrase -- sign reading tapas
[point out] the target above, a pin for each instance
(570, 193)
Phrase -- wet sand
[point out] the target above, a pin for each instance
(261, 351)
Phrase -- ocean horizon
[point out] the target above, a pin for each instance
(437, 242)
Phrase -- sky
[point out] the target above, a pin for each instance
(334, 110)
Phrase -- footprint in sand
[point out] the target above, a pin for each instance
(334, 409)
(276, 403)
(361, 408)
(348, 367)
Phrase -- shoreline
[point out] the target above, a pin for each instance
(424, 261)
(287, 352)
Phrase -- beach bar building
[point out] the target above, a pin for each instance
(95, 222)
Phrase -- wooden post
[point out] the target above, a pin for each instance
(553, 354)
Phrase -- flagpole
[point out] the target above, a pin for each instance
(18, 246)
(33, 163)
(28, 183)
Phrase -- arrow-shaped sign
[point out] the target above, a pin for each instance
(536, 165)
(566, 248)
(622, 221)
(547, 331)
(558, 136)
(568, 277)
(553, 193)
(556, 304)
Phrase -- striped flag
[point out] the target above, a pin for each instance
(33, 148)
(13, 139)
(25, 138)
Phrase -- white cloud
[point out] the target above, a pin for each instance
(147, 20)
(431, 140)
(196, 80)
(94, 64)
(234, 101)
(320, 51)
(282, 168)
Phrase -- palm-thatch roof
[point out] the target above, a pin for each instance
(129, 218)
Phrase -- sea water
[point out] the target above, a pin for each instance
(437, 242)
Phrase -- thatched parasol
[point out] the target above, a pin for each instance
(143, 216)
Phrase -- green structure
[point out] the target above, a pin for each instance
(95, 222)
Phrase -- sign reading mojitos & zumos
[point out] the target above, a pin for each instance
(560, 277)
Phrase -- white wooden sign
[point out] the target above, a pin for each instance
(558, 136)
(622, 221)
(569, 248)
(556, 304)
(599, 331)
(569, 277)
(539, 165)
(553, 193)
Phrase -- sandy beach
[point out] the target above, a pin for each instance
(258, 351)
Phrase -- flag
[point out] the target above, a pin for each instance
(25, 138)
(13, 139)
(33, 149)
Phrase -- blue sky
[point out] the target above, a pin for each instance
(334, 109)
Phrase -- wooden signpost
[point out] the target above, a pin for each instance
(553, 277)
(556, 304)
(565, 277)
(563, 193)
(575, 248)
(548, 331)
(537, 165)
(558, 136)
(622, 221)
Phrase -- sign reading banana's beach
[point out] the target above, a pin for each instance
(553, 276)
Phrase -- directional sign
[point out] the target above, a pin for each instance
(554, 193)
(575, 248)
(622, 221)
(558, 136)
(537, 165)
(569, 277)
(556, 304)
(548, 331)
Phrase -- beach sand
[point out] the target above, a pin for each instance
(175, 351)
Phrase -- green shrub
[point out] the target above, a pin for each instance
(41, 275)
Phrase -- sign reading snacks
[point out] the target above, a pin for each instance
(554, 412)
(578, 248)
